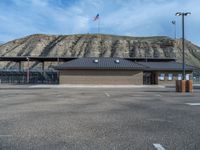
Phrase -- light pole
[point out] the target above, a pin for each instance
(183, 14)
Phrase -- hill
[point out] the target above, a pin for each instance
(93, 45)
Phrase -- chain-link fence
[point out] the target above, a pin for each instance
(42, 77)
(28, 77)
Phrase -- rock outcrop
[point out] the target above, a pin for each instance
(93, 45)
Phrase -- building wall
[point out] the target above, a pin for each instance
(175, 77)
(124, 77)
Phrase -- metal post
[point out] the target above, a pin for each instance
(43, 66)
(98, 24)
(58, 60)
(146, 55)
(183, 45)
(43, 78)
(174, 24)
(20, 66)
(28, 74)
(175, 31)
(183, 14)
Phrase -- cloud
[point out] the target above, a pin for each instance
(125, 17)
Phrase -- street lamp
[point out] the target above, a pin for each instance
(183, 14)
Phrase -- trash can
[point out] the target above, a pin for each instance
(180, 85)
(177, 85)
(183, 84)
(189, 86)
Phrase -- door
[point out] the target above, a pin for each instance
(150, 78)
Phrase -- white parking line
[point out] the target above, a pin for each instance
(158, 95)
(193, 104)
(158, 146)
(108, 95)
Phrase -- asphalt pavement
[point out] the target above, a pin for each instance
(142, 118)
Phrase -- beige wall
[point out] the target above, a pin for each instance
(101, 77)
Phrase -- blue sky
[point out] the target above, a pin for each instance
(19, 18)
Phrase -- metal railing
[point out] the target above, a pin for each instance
(196, 80)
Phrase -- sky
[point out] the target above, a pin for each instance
(19, 18)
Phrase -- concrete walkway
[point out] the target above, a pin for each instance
(11, 86)
(95, 86)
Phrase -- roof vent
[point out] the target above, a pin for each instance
(95, 60)
(117, 61)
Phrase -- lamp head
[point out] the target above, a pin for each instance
(183, 14)
(187, 13)
(178, 14)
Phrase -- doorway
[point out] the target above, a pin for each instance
(150, 78)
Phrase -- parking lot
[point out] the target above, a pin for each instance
(142, 118)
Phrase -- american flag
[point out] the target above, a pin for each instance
(96, 17)
(173, 22)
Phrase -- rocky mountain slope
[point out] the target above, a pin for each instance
(92, 45)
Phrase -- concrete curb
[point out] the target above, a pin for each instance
(96, 86)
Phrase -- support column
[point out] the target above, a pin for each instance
(20, 65)
(58, 62)
(28, 73)
(43, 72)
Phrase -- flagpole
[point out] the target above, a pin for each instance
(174, 24)
(175, 31)
(97, 18)
(99, 33)
(98, 27)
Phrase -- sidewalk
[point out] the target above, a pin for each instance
(47, 86)
(95, 86)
